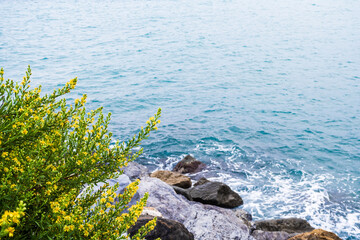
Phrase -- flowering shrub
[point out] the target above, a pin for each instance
(49, 153)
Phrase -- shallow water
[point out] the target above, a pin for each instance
(265, 92)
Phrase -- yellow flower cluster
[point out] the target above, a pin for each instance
(9, 218)
(53, 150)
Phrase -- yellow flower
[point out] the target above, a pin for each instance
(103, 200)
(67, 218)
(56, 209)
(86, 233)
(66, 228)
(11, 231)
(6, 169)
(79, 162)
(24, 131)
(81, 227)
(108, 205)
(4, 154)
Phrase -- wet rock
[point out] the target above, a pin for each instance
(182, 191)
(173, 178)
(165, 229)
(135, 171)
(189, 165)
(215, 193)
(201, 181)
(204, 221)
(289, 225)
(317, 234)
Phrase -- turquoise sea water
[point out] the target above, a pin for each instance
(265, 92)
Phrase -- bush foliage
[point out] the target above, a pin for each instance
(49, 153)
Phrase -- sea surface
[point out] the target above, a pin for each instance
(265, 92)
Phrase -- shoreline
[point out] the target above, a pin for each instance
(208, 221)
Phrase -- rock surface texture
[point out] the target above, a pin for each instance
(165, 229)
(189, 165)
(172, 178)
(263, 235)
(317, 234)
(204, 221)
(289, 225)
(134, 171)
(150, 211)
(215, 193)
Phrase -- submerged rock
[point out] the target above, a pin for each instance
(189, 165)
(204, 221)
(289, 225)
(165, 229)
(173, 178)
(317, 234)
(215, 193)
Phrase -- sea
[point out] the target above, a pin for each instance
(265, 92)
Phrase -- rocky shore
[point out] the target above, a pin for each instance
(206, 209)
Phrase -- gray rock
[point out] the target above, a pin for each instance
(135, 171)
(201, 181)
(182, 191)
(165, 229)
(215, 193)
(189, 165)
(204, 221)
(150, 211)
(244, 216)
(264, 235)
(289, 225)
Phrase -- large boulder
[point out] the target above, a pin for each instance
(317, 234)
(289, 225)
(189, 165)
(204, 221)
(215, 193)
(165, 229)
(172, 178)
